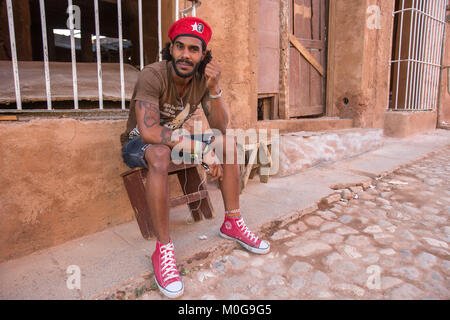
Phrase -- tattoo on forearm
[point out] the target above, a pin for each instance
(166, 135)
(206, 110)
(151, 113)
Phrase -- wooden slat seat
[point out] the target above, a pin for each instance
(196, 194)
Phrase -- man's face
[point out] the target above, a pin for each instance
(187, 55)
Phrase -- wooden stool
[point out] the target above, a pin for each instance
(253, 162)
(195, 196)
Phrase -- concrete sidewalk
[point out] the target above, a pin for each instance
(118, 255)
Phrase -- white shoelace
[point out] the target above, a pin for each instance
(169, 267)
(241, 224)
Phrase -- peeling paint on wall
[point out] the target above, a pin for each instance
(302, 150)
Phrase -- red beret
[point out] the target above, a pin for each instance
(191, 26)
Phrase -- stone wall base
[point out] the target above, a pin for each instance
(400, 124)
(301, 150)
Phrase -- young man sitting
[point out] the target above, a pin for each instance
(166, 95)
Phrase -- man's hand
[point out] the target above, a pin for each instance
(212, 73)
(215, 168)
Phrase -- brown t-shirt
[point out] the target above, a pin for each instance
(155, 85)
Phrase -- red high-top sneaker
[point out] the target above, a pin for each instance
(166, 274)
(235, 229)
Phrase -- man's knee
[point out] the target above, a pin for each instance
(158, 157)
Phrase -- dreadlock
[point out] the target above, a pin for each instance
(201, 68)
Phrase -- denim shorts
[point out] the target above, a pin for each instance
(133, 152)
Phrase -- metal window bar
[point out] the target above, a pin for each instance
(438, 55)
(431, 48)
(422, 65)
(159, 31)
(99, 55)
(420, 11)
(45, 49)
(12, 37)
(122, 78)
(422, 54)
(417, 66)
(426, 56)
(399, 54)
(419, 29)
(74, 55)
(141, 35)
(192, 9)
(432, 89)
(428, 102)
(409, 54)
(71, 27)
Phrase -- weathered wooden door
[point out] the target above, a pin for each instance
(309, 19)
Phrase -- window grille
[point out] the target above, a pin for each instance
(73, 47)
(416, 65)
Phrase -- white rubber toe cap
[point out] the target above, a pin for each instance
(175, 287)
(173, 290)
(264, 245)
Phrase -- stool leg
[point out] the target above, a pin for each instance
(265, 161)
(251, 161)
(192, 185)
(136, 193)
(253, 172)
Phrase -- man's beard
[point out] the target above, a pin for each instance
(184, 75)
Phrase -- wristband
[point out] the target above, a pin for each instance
(217, 96)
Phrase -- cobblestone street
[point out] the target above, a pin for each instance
(386, 241)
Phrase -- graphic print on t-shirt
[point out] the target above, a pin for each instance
(182, 117)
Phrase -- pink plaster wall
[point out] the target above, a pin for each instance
(60, 180)
(361, 62)
(445, 96)
(234, 45)
(268, 46)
